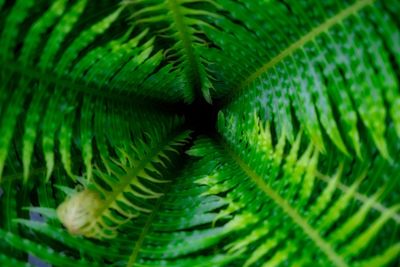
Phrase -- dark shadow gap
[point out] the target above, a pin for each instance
(200, 116)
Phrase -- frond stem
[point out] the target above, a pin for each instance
(132, 174)
(187, 43)
(64, 82)
(325, 26)
(285, 206)
(144, 231)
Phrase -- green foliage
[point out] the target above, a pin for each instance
(99, 168)
(180, 21)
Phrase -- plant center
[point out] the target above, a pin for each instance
(201, 117)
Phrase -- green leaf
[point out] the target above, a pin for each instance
(293, 164)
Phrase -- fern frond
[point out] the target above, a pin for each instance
(269, 179)
(329, 70)
(120, 194)
(53, 85)
(300, 170)
(179, 21)
(42, 251)
(16, 242)
(165, 236)
(182, 226)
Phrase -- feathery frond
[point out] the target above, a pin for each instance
(100, 100)
(329, 70)
(120, 194)
(179, 21)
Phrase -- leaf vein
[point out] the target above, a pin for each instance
(353, 9)
(291, 212)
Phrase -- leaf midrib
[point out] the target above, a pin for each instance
(143, 233)
(131, 176)
(65, 82)
(326, 25)
(186, 43)
(285, 206)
